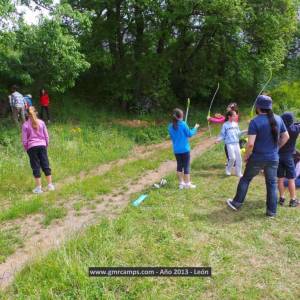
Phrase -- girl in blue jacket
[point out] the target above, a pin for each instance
(180, 134)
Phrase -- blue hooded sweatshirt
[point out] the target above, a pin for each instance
(180, 137)
(293, 129)
(230, 133)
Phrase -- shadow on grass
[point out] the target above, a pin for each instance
(251, 210)
(213, 166)
(214, 173)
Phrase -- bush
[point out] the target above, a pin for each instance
(287, 97)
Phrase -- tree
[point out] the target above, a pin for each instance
(152, 53)
(161, 50)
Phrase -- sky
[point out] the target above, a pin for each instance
(31, 15)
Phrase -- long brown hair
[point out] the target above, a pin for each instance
(177, 115)
(33, 117)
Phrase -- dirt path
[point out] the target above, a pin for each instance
(138, 152)
(110, 206)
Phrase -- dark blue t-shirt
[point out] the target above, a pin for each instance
(290, 147)
(265, 149)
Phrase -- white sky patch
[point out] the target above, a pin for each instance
(31, 16)
(33, 13)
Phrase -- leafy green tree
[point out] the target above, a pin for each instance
(165, 50)
(150, 53)
(47, 54)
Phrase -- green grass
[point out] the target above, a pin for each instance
(87, 139)
(81, 138)
(9, 240)
(69, 153)
(86, 189)
(54, 213)
(252, 257)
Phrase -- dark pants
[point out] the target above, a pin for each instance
(46, 109)
(39, 159)
(252, 169)
(183, 162)
(286, 167)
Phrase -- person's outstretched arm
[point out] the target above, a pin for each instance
(243, 132)
(190, 132)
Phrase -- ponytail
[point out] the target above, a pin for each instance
(33, 117)
(177, 115)
(273, 124)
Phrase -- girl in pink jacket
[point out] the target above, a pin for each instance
(35, 140)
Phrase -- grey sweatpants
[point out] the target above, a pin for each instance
(234, 156)
(16, 112)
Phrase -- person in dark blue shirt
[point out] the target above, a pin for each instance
(297, 167)
(286, 168)
(180, 134)
(266, 134)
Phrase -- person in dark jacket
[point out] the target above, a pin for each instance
(297, 164)
(286, 167)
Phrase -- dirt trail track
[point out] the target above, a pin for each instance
(110, 206)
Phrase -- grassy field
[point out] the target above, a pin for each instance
(252, 257)
(80, 139)
(75, 146)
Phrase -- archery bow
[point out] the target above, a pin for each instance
(266, 84)
(187, 109)
(210, 106)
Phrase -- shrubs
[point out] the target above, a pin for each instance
(287, 97)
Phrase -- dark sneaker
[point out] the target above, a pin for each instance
(231, 205)
(281, 201)
(270, 215)
(293, 203)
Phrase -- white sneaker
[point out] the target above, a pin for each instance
(181, 185)
(51, 187)
(190, 186)
(227, 173)
(38, 190)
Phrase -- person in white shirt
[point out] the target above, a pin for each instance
(230, 134)
(18, 105)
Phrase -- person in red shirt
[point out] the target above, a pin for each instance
(44, 102)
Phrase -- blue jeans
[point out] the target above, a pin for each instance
(252, 169)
